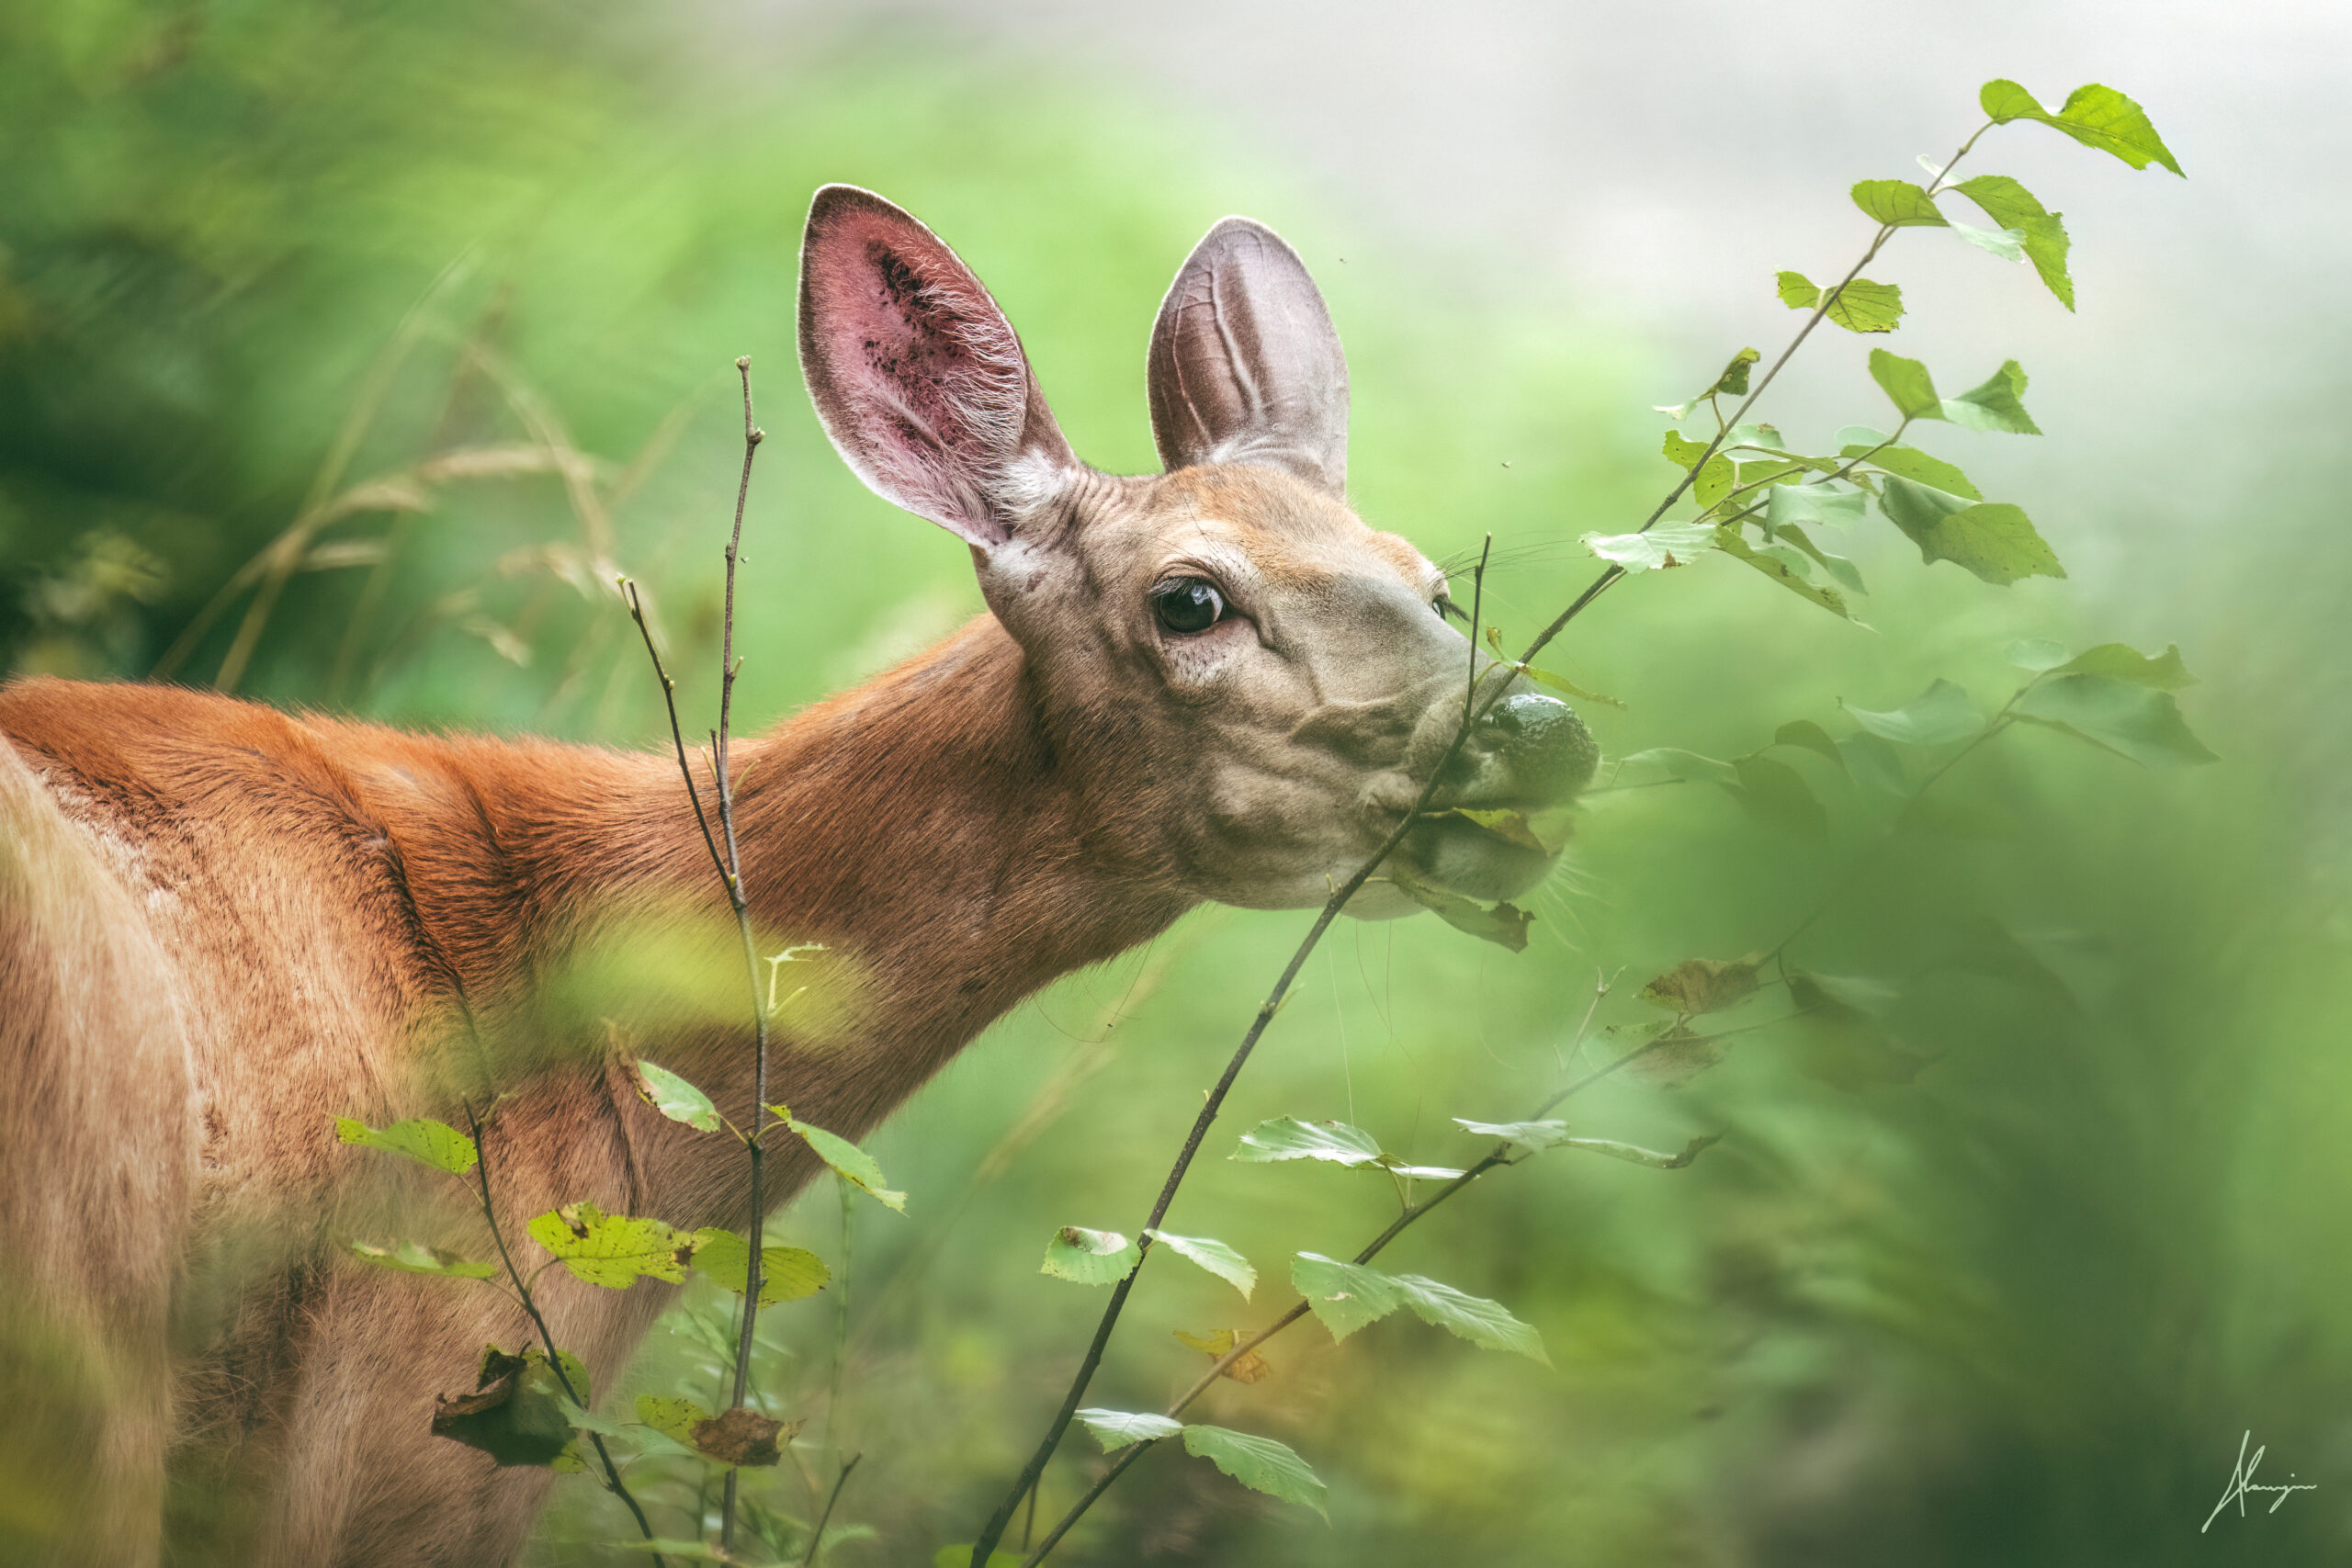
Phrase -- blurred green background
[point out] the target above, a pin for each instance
(345, 352)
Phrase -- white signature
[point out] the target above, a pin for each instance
(2241, 1482)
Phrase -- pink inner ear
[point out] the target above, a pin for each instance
(916, 372)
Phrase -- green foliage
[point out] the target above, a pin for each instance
(1090, 1257)
(2125, 717)
(1259, 1464)
(1346, 1296)
(1898, 203)
(414, 1257)
(1937, 717)
(1907, 384)
(1503, 924)
(426, 1141)
(1995, 540)
(1214, 1256)
(1663, 545)
(848, 1161)
(2041, 234)
(1703, 985)
(613, 1250)
(787, 1273)
(675, 1098)
(1288, 1138)
(517, 1414)
(1114, 1429)
(2095, 116)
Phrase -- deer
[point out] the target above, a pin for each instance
(222, 924)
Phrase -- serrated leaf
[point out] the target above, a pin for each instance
(1248, 1367)
(1344, 1296)
(415, 1257)
(1703, 985)
(1995, 405)
(1774, 562)
(1863, 305)
(1812, 504)
(1090, 1257)
(1287, 1138)
(1940, 714)
(675, 1098)
(1994, 540)
(2132, 720)
(1504, 924)
(2044, 232)
(787, 1273)
(1636, 1154)
(515, 1414)
(2093, 115)
(2007, 243)
(1487, 1324)
(2119, 662)
(1530, 1136)
(1910, 463)
(1116, 1429)
(674, 1418)
(1777, 794)
(421, 1138)
(1259, 1464)
(1898, 203)
(1665, 545)
(849, 1162)
(613, 1250)
(1907, 384)
(1673, 1055)
(1214, 1256)
(1797, 290)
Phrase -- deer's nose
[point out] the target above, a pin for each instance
(1539, 746)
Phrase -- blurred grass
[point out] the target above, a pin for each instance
(2019, 1312)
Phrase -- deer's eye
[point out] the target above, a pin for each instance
(1187, 605)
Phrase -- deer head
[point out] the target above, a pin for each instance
(1247, 683)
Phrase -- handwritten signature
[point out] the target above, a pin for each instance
(2241, 1482)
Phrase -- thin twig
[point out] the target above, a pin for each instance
(579, 1396)
(818, 1534)
(993, 1531)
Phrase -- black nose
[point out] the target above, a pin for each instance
(1540, 743)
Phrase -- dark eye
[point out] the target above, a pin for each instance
(1188, 605)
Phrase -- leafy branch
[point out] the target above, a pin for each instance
(1992, 540)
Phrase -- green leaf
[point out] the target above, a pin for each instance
(613, 1250)
(2093, 115)
(1808, 736)
(1863, 305)
(1995, 540)
(675, 1098)
(1567, 687)
(850, 1163)
(1344, 1296)
(674, 1418)
(1871, 761)
(1937, 717)
(1287, 1138)
(1483, 1322)
(415, 1257)
(2132, 720)
(1114, 1429)
(1813, 504)
(1776, 564)
(1733, 380)
(1797, 290)
(1259, 1464)
(2118, 662)
(2039, 654)
(2013, 208)
(1530, 1136)
(1840, 1043)
(426, 1141)
(1090, 1257)
(1703, 985)
(1907, 384)
(515, 1414)
(787, 1273)
(1664, 544)
(1634, 1154)
(1995, 405)
(1688, 766)
(1214, 1256)
(1910, 463)
(1777, 794)
(2007, 243)
(1898, 203)
(1849, 577)
(1503, 924)
(1672, 1056)
(1716, 479)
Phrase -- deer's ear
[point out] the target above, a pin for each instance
(917, 377)
(1245, 365)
